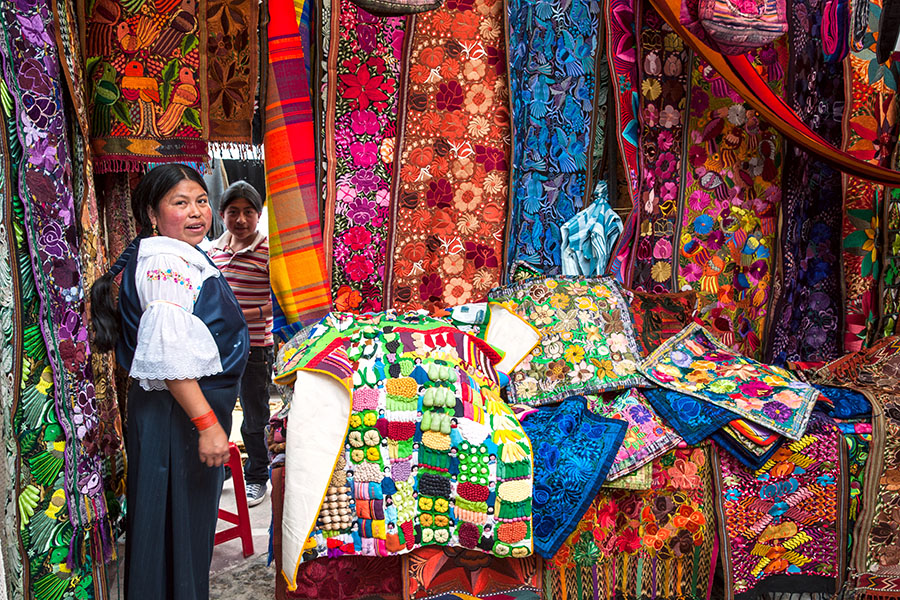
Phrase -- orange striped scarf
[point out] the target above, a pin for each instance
(296, 254)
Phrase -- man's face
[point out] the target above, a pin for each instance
(241, 220)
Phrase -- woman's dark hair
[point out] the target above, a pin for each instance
(148, 194)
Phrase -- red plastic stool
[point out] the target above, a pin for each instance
(241, 520)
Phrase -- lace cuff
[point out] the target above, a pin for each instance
(172, 344)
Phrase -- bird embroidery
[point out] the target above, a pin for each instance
(184, 96)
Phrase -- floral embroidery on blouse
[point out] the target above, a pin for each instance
(167, 275)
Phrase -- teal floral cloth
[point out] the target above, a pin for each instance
(695, 363)
(587, 344)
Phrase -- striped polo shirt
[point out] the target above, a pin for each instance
(247, 272)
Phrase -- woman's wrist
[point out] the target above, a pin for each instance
(205, 421)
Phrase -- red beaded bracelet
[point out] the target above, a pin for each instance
(205, 421)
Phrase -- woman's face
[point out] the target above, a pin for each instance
(183, 213)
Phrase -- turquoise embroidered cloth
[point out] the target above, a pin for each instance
(695, 363)
(589, 237)
(573, 451)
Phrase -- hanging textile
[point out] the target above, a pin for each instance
(726, 229)
(552, 64)
(695, 363)
(870, 130)
(875, 558)
(453, 178)
(805, 322)
(31, 70)
(889, 282)
(740, 73)
(360, 121)
(589, 237)
(659, 543)
(146, 64)
(620, 50)
(782, 526)
(296, 254)
(11, 351)
(91, 242)
(434, 571)
(601, 113)
(231, 67)
(664, 66)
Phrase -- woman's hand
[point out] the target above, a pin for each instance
(214, 449)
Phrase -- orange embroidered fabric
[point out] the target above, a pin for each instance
(450, 193)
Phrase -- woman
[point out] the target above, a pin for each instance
(181, 335)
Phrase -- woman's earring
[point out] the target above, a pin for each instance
(155, 230)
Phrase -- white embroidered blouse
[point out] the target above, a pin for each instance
(172, 343)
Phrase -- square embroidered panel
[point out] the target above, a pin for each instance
(657, 317)
(647, 435)
(695, 363)
(573, 451)
(588, 343)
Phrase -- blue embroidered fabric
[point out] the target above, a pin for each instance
(573, 452)
(848, 404)
(693, 419)
(553, 49)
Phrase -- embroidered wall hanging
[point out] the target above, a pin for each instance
(890, 275)
(731, 193)
(787, 519)
(695, 363)
(232, 67)
(91, 243)
(360, 120)
(32, 74)
(805, 322)
(436, 572)
(647, 436)
(574, 449)
(148, 87)
(297, 268)
(870, 134)
(620, 49)
(587, 344)
(403, 479)
(552, 65)
(453, 181)
(664, 67)
(657, 317)
(659, 543)
(13, 307)
(692, 418)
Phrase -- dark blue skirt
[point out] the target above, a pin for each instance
(172, 498)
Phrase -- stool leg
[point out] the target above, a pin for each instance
(240, 496)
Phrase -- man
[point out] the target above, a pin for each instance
(242, 254)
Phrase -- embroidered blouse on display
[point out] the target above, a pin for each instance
(172, 343)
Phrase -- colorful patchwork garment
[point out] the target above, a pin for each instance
(407, 410)
(658, 544)
(784, 525)
(588, 343)
(573, 451)
(647, 435)
(452, 181)
(695, 363)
